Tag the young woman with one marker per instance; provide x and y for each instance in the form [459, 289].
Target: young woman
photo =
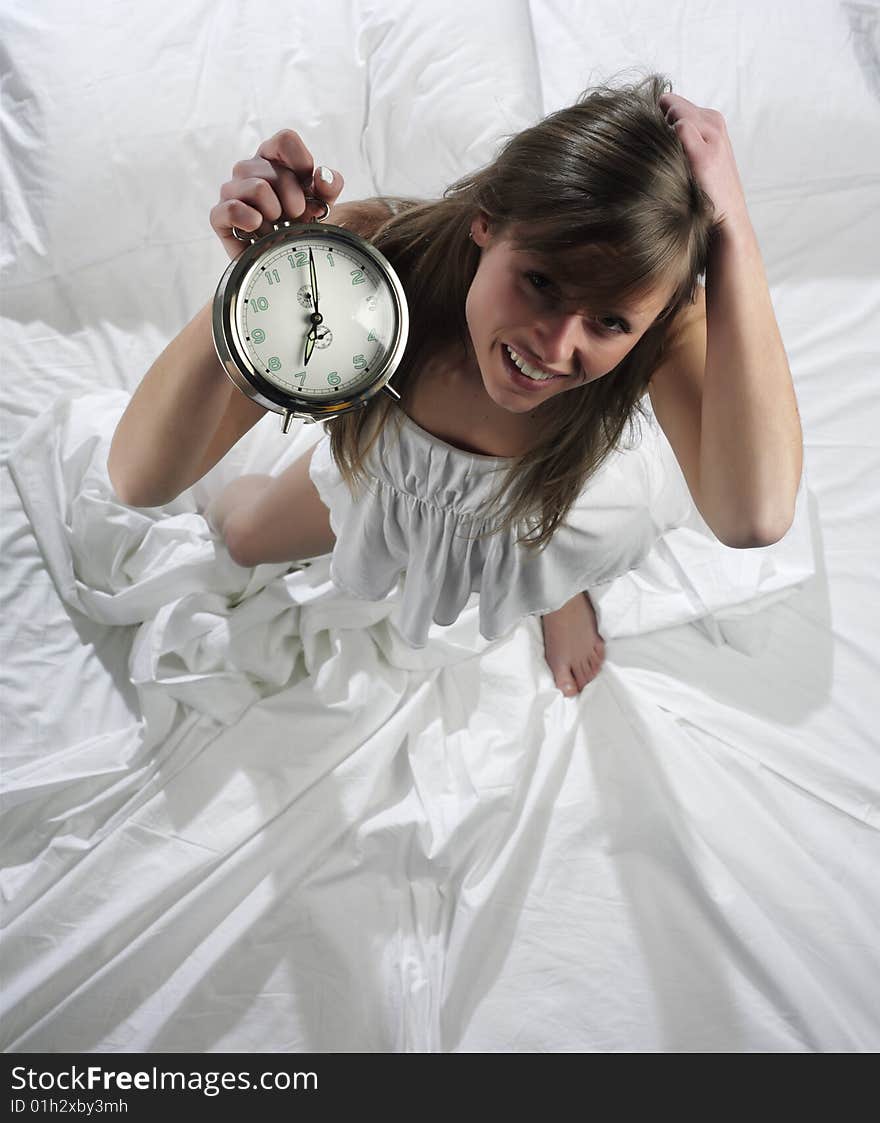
[545, 291]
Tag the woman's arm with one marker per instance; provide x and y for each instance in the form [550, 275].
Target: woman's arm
[751, 442]
[187, 414]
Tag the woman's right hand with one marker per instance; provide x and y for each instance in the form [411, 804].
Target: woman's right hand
[270, 187]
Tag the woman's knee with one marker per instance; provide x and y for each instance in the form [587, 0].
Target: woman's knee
[288, 521]
[238, 539]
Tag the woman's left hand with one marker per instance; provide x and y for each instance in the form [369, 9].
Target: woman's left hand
[703, 134]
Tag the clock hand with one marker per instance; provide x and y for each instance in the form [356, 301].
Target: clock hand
[313, 278]
[312, 337]
[316, 316]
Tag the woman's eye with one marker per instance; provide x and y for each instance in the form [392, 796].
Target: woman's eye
[541, 277]
[610, 323]
[618, 328]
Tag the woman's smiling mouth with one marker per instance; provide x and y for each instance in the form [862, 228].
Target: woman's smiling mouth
[521, 380]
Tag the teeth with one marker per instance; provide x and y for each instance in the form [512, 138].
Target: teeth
[529, 372]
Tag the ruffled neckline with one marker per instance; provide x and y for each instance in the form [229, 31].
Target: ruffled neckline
[453, 449]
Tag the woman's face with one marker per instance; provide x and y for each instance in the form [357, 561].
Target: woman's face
[512, 300]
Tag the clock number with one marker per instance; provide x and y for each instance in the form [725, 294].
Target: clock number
[330, 261]
[358, 362]
[358, 277]
[301, 375]
[333, 378]
[372, 338]
[258, 336]
[274, 363]
[269, 276]
[298, 260]
[259, 304]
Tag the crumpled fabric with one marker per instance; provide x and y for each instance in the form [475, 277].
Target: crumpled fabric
[122, 565]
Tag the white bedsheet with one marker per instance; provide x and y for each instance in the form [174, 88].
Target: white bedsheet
[240, 813]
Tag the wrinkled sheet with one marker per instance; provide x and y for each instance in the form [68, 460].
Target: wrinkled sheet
[239, 812]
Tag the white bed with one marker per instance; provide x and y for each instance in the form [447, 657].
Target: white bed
[240, 814]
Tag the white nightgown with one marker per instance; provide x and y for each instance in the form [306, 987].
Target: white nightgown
[419, 518]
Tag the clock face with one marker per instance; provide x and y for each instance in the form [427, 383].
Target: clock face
[359, 318]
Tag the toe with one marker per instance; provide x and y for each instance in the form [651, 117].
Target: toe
[566, 684]
[583, 675]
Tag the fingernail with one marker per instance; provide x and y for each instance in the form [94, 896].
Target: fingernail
[325, 174]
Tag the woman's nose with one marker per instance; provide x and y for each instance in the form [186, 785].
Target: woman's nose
[562, 341]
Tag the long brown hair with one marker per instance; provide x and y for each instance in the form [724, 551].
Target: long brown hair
[604, 191]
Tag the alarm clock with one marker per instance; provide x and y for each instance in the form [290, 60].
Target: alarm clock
[310, 320]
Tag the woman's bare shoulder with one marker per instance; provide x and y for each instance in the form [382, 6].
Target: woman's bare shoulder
[362, 216]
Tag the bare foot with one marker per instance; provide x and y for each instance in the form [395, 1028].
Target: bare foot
[572, 645]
